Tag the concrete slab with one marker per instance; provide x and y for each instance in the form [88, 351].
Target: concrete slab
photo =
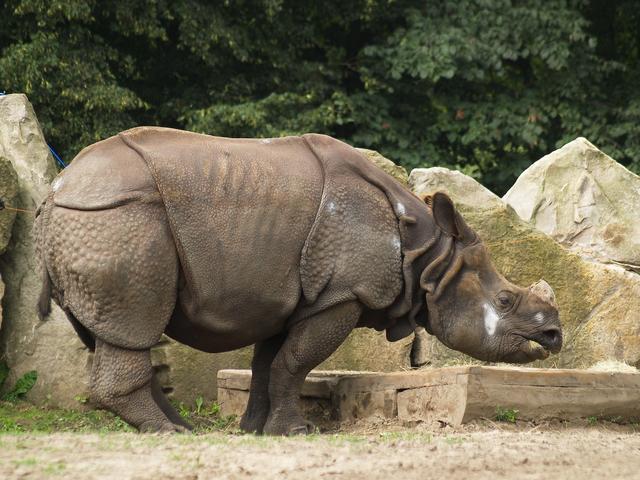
[453, 395]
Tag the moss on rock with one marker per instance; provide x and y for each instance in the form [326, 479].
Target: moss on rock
[396, 171]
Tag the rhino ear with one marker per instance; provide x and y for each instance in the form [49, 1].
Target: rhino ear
[444, 213]
[449, 220]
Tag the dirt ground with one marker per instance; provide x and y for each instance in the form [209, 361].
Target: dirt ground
[490, 450]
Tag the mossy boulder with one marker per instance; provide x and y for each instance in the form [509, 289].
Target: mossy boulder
[396, 171]
[51, 348]
[8, 196]
[368, 350]
[599, 304]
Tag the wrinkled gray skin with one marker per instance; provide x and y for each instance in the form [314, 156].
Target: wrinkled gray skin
[288, 244]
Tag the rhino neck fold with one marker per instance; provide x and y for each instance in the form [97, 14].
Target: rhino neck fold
[433, 270]
[429, 262]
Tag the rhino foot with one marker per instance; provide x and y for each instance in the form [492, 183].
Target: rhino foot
[253, 423]
[289, 429]
[154, 426]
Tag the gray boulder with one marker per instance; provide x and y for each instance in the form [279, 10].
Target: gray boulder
[51, 348]
[8, 194]
[585, 200]
[396, 171]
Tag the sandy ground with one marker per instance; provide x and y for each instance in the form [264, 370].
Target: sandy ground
[473, 452]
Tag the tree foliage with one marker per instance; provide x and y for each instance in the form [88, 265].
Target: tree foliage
[486, 86]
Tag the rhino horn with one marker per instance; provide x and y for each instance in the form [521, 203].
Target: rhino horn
[543, 290]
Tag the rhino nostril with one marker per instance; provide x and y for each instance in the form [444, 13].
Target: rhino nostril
[552, 337]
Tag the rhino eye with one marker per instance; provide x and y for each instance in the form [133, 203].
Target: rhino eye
[505, 300]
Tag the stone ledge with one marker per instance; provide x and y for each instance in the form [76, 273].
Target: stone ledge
[453, 395]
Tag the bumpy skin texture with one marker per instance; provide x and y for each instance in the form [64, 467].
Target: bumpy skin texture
[287, 244]
[116, 270]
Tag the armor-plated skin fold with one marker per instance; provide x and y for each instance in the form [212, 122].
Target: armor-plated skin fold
[285, 243]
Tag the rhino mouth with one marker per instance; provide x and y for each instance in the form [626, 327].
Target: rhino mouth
[527, 350]
[535, 349]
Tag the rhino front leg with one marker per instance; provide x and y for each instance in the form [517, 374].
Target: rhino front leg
[257, 410]
[307, 345]
[121, 381]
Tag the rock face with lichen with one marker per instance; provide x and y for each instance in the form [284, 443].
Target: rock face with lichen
[599, 304]
[396, 171]
[8, 194]
[51, 348]
[585, 200]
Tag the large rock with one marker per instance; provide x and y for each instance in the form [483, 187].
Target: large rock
[599, 304]
[396, 171]
[8, 194]
[51, 348]
[583, 199]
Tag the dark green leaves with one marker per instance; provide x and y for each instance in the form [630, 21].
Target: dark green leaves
[485, 86]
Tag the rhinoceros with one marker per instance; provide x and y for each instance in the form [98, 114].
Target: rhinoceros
[287, 244]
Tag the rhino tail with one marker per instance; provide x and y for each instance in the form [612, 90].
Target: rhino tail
[44, 302]
[44, 309]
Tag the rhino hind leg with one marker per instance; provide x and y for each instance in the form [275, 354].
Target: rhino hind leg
[122, 381]
[307, 344]
[255, 416]
[115, 273]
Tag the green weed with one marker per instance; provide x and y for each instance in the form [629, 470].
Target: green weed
[22, 386]
[204, 418]
[506, 414]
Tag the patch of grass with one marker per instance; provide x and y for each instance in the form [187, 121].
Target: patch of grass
[454, 440]
[591, 421]
[506, 414]
[406, 435]
[205, 419]
[23, 417]
[617, 419]
[19, 417]
[22, 386]
[55, 468]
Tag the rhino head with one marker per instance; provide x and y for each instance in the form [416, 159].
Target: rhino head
[472, 308]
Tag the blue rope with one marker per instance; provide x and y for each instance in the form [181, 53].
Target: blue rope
[53, 152]
[57, 157]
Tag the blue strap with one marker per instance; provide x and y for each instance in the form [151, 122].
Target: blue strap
[57, 157]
